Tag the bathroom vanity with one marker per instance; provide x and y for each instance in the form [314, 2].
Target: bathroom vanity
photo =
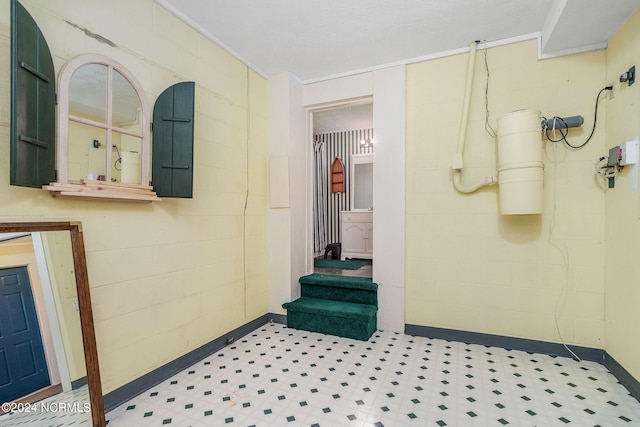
[357, 234]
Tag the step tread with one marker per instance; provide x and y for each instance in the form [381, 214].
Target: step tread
[352, 282]
[331, 307]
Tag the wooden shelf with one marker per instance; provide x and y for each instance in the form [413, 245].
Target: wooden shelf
[337, 176]
[101, 190]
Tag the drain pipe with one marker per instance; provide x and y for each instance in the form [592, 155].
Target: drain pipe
[457, 163]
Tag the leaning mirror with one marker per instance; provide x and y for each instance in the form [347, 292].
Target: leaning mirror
[48, 358]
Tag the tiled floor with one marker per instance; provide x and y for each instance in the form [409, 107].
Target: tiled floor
[283, 377]
[64, 409]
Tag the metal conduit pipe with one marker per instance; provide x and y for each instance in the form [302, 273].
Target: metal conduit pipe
[457, 163]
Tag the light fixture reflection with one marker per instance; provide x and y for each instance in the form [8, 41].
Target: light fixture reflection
[367, 142]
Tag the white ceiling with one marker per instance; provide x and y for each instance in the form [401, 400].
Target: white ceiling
[318, 39]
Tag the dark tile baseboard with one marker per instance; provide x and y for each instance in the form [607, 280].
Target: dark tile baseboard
[132, 389]
[623, 376]
[532, 346]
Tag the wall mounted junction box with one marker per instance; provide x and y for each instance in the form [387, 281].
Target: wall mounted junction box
[629, 153]
[625, 154]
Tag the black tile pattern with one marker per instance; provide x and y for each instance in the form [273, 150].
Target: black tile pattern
[279, 376]
[282, 377]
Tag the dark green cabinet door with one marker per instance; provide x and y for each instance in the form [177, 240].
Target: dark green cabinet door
[33, 131]
[172, 160]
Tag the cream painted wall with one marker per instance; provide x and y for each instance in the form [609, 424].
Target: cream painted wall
[470, 268]
[622, 227]
[286, 146]
[170, 276]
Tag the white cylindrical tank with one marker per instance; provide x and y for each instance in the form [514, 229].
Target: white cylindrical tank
[520, 167]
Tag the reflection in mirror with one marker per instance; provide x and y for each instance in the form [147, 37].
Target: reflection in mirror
[125, 160]
[46, 326]
[362, 182]
[126, 104]
[86, 158]
[88, 93]
[58, 268]
[105, 125]
[363, 186]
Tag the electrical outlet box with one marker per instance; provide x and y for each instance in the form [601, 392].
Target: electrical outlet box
[614, 156]
[629, 76]
[629, 153]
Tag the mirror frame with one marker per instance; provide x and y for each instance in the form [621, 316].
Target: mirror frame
[84, 301]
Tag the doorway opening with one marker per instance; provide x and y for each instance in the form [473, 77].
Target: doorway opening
[343, 141]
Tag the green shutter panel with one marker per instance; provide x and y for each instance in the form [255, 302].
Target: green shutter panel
[172, 160]
[33, 131]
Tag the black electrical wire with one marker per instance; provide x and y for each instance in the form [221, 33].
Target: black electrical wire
[119, 160]
[487, 126]
[595, 119]
[564, 132]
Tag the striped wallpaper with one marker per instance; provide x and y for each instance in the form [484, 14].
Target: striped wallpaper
[327, 205]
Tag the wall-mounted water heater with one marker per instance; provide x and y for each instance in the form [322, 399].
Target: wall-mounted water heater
[520, 167]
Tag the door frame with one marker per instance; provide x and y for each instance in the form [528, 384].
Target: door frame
[311, 110]
[388, 89]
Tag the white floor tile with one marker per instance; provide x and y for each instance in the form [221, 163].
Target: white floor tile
[277, 376]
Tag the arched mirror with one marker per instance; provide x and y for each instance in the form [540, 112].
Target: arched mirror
[99, 137]
[47, 339]
[104, 123]
[103, 132]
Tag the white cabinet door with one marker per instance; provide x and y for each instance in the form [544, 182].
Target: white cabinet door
[357, 234]
[353, 238]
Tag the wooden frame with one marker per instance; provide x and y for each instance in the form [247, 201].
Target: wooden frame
[84, 302]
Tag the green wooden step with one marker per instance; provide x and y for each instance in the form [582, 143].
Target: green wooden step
[340, 318]
[360, 290]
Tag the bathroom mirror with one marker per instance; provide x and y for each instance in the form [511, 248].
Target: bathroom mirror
[361, 182]
[60, 289]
